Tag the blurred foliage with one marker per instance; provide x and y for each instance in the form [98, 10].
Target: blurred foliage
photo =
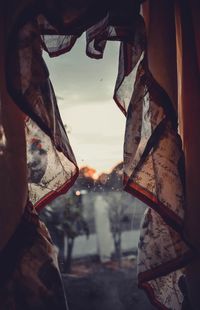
[65, 221]
[73, 222]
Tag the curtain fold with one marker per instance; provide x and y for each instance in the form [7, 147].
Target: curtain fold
[188, 38]
[12, 154]
[152, 90]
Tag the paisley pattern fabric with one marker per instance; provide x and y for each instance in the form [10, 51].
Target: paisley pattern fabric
[153, 156]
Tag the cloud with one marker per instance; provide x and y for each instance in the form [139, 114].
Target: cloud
[84, 89]
[79, 79]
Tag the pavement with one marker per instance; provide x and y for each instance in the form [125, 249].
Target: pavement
[105, 288]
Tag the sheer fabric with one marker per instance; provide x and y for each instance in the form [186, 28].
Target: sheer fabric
[153, 155]
[30, 277]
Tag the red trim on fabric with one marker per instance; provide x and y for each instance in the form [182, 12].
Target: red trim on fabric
[127, 59]
[94, 56]
[97, 41]
[166, 268]
[127, 70]
[150, 293]
[173, 221]
[171, 218]
[55, 193]
[61, 51]
[119, 104]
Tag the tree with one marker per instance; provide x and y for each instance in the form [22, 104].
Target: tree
[85, 179]
[118, 216]
[65, 221]
[73, 225]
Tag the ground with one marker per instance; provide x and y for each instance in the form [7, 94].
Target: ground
[93, 286]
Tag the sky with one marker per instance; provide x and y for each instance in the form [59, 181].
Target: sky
[84, 89]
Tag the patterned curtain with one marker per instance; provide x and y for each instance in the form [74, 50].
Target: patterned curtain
[153, 155]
